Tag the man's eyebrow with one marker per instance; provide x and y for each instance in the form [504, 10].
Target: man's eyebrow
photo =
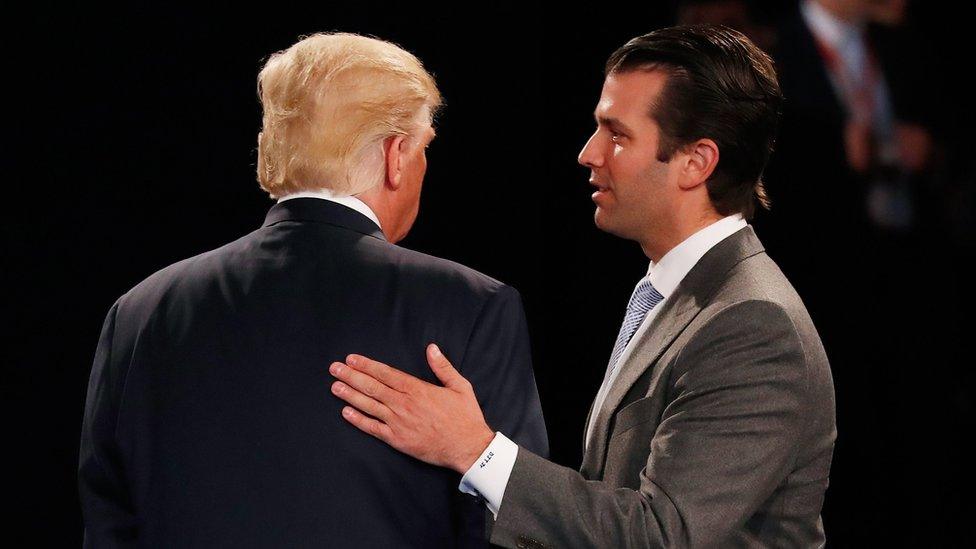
[613, 123]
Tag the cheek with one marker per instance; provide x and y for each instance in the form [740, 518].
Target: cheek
[419, 162]
[625, 165]
[420, 169]
[421, 172]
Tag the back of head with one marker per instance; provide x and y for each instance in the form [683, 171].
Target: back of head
[720, 86]
[329, 101]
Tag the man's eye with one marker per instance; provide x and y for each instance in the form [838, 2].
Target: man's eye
[615, 137]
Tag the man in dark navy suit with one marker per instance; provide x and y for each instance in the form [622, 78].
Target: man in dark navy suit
[205, 423]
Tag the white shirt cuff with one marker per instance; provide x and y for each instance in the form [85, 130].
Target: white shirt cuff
[488, 477]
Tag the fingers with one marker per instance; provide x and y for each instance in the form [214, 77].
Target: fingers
[368, 425]
[443, 368]
[364, 383]
[391, 377]
[366, 404]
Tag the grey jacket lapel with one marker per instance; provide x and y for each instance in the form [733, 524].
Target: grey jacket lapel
[652, 340]
[639, 338]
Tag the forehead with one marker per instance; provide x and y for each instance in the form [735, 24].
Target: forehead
[629, 95]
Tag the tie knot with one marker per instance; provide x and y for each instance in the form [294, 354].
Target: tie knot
[645, 297]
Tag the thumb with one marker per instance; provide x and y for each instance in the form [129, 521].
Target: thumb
[442, 367]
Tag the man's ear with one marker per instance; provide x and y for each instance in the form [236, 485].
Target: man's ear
[701, 157]
[393, 150]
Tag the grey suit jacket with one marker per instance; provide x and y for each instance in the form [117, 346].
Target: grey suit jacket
[718, 431]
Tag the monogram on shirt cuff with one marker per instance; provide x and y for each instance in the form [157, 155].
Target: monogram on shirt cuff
[488, 477]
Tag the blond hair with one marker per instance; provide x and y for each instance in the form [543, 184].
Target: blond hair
[329, 101]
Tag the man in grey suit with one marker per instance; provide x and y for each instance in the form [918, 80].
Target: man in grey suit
[715, 423]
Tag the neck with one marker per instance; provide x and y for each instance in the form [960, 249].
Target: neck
[658, 244]
[379, 202]
[382, 211]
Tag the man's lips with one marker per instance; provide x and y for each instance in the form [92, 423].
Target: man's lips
[601, 189]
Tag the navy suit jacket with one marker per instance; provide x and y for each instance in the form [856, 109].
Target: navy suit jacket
[209, 420]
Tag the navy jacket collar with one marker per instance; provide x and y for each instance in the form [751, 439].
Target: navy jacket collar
[317, 210]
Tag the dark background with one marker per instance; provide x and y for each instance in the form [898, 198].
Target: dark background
[131, 140]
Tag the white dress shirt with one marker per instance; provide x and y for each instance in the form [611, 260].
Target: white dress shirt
[348, 201]
[489, 475]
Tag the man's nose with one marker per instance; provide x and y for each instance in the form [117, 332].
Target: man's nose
[590, 156]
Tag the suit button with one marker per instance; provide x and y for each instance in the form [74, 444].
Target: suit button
[523, 542]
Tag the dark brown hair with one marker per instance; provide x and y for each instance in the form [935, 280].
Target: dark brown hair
[720, 86]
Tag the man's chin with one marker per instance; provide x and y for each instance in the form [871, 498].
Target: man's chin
[600, 218]
[604, 223]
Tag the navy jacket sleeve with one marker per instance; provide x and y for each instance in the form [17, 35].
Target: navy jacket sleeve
[107, 509]
[498, 363]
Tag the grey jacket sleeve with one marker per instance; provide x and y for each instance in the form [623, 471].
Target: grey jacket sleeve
[726, 439]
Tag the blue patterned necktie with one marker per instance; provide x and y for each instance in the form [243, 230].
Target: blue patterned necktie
[645, 298]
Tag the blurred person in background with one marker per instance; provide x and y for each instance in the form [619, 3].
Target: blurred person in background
[852, 171]
[857, 218]
[740, 15]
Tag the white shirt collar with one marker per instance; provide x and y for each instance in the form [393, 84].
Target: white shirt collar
[667, 273]
[348, 201]
[826, 26]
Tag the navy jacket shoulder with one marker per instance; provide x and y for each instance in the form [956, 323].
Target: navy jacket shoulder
[209, 417]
